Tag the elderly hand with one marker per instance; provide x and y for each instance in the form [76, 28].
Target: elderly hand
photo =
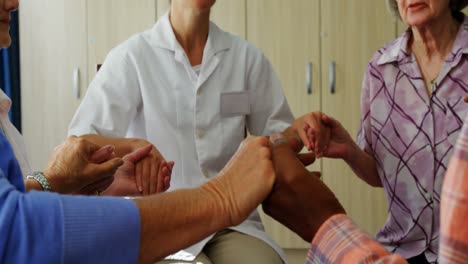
[334, 142]
[70, 167]
[245, 181]
[123, 183]
[318, 141]
[149, 176]
[299, 199]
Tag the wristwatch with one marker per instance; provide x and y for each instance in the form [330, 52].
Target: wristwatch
[41, 179]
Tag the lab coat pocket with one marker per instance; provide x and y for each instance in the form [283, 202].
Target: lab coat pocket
[234, 104]
[456, 112]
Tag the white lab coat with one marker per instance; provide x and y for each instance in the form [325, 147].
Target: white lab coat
[148, 89]
[14, 137]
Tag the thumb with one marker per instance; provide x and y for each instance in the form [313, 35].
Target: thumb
[307, 158]
[138, 154]
[108, 168]
[330, 121]
[103, 154]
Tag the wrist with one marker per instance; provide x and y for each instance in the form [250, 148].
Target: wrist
[214, 193]
[351, 153]
[38, 181]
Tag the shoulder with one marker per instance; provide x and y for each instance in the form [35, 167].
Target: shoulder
[133, 48]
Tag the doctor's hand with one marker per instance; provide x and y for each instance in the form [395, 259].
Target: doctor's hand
[244, 182]
[152, 171]
[71, 167]
[299, 199]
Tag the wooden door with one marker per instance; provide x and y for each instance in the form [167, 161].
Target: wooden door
[111, 22]
[53, 46]
[288, 33]
[352, 31]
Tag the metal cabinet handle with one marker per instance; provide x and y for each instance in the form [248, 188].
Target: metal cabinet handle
[332, 77]
[76, 83]
[309, 77]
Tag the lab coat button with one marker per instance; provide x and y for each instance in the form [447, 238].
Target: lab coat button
[200, 133]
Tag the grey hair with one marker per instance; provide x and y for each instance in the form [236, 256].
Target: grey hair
[455, 6]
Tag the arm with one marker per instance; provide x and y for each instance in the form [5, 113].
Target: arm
[48, 228]
[303, 203]
[270, 112]
[355, 246]
[224, 201]
[112, 101]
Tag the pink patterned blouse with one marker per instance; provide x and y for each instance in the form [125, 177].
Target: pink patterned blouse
[411, 135]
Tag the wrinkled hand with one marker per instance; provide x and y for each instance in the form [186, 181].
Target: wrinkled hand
[245, 181]
[149, 176]
[70, 167]
[326, 136]
[123, 183]
[299, 199]
[319, 137]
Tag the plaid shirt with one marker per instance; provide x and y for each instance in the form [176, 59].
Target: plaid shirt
[339, 240]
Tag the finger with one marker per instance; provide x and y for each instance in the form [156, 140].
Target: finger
[138, 154]
[165, 172]
[171, 166]
[138, 176]
[160, 177]
[466, 98]
[307, 158]
[103, 154]
[147, 181]
[303, 136]
[167, 183]
[107, 168]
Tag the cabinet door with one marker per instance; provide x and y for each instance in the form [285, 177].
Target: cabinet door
[288, 33]
[111, 22]
[53, 45]
[353, 30]
[229, 15]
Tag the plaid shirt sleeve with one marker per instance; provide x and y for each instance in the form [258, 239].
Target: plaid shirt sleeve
[339, 240]
[454, 205]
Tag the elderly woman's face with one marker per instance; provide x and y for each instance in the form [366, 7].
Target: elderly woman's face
[6, 7]
[420, 12]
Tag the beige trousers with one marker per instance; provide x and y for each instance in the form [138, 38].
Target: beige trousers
[232, 247]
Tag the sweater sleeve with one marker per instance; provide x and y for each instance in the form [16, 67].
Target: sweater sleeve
[40, 227]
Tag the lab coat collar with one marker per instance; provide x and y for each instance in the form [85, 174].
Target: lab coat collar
[164, 37]
[5, 103]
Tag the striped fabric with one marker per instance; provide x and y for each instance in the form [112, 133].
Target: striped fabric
[454, 205]
[340, 241]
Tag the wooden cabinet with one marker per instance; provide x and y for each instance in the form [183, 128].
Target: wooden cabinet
[352, 31]
[321, 33]
[287, 32]
[64, 38]
[53, 45]
[111, 22]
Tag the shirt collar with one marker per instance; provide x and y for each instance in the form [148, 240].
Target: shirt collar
[163, 37]
[398, 50]
[5, 103]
